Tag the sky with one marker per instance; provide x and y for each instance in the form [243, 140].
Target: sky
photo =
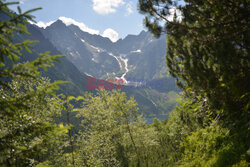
[110, 18]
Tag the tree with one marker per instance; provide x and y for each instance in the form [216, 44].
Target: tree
[208, 49]
[28, 102]
[113, 133]
[208, 54]
[28, 130]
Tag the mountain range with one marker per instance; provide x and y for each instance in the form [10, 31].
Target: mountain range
[138, 59]
[134, 58]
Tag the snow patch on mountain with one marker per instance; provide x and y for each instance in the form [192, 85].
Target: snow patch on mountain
[126, 69]
[92, 47]
[136, 51]
[88, 74]
[41, 24]
[123, 63]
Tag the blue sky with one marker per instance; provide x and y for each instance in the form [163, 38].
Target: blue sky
[119, 16]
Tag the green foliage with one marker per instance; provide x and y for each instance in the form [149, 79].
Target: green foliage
[27, 128]
[209, 127]
[28, 103]
[208, 54]
[188, 117]
[11, 52]
[206, 148]
[201, 55]
[106, 118]
[214, 146]
[113, 133]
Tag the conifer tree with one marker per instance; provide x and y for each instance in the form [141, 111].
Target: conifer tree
[208, 54]
[28, 102]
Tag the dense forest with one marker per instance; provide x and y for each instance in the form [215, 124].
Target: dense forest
[207, 53]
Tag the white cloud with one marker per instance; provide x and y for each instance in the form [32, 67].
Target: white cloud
[82, 26]
[106, 6]
[67, 22]
[129, 8]
[42, 24]
[174, 11]
[111, 34]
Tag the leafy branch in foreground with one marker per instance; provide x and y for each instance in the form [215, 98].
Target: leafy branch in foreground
[28, 101]
[27, 128]
[208, 54]
[11, 52]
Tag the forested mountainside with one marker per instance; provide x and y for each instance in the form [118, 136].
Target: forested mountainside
[63, 70]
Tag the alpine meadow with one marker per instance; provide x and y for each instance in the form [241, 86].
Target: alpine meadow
[183, 97]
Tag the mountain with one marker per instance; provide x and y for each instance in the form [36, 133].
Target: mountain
[96, 55]
[83, 55]
[138, 59]
[134, 58]
[64, 70]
